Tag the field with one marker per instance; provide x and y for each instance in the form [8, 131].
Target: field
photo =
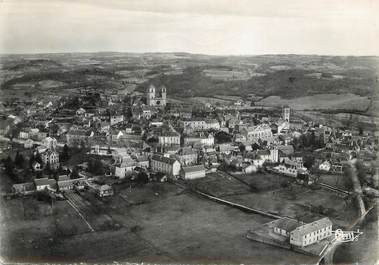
[279, 195]
[288, 76]
[161, 222]
[173, 226]
[210, 100]
[226, 75]
[320, 101]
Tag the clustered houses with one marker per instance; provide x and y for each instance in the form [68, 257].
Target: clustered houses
[169, 138]
[258, 133]
[200, 125]
[136, 133]
[200, 138]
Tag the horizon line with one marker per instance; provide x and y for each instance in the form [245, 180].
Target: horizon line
[191, 53]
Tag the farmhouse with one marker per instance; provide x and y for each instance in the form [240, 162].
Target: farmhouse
[311, 233]
[104, 191]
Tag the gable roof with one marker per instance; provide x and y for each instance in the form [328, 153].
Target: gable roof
[163, 159]
[191, 169]
[314, 226]
[287, 224]
[44, 181]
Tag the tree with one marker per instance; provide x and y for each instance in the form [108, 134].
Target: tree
[38, 158]
[47, 169]
[9, 167]
[255, 146]
[309, 161]
[95, 166]
[223, 137]
[19, 160]
[64, 156]
[142, 178]
[74, 173]
[361, 171]
[242, 148]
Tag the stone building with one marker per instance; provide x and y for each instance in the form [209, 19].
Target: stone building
[156, 98]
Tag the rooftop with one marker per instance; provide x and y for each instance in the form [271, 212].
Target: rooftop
[314, 226]
[163, 159]
[193, 168]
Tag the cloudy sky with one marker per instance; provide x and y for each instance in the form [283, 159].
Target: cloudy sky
[338, 27]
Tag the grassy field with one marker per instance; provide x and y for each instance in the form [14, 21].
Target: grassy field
[321, 101]
[279, 194]
[161, 222]
[173, 226]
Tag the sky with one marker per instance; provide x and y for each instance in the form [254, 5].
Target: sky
[220, 27]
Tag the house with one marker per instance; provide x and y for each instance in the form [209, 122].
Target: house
[264, 154]
[237, 162]
[80, 112]
[194, 125]
[23, 135]
[78, 137]
[226, 148]
[105, 126]
[143, 162]
[249, 168]
[23, 188]
[44, 183]
[286, 149]
[282, 126]
[51, 158]
[325, 166]
[187, 156]
[65, 183]
[28, 143]
[274, 155]
[104, 191]
[116, 119]
[125, 168]
[33, 133]
[165, 165]
[169, 138]
[336, 168]
[203, 139]
[50, 143]
[192, 172]
[260, 132]
[311, 233]
[212, 124]
[288, 170]
[239, 138]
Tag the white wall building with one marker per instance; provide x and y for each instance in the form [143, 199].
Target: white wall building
[165, 165]
[311, 233]
[193, 172]
[262, 132]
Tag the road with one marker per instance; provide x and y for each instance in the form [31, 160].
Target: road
[329, 253]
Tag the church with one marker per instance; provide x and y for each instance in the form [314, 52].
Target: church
[156, 97]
